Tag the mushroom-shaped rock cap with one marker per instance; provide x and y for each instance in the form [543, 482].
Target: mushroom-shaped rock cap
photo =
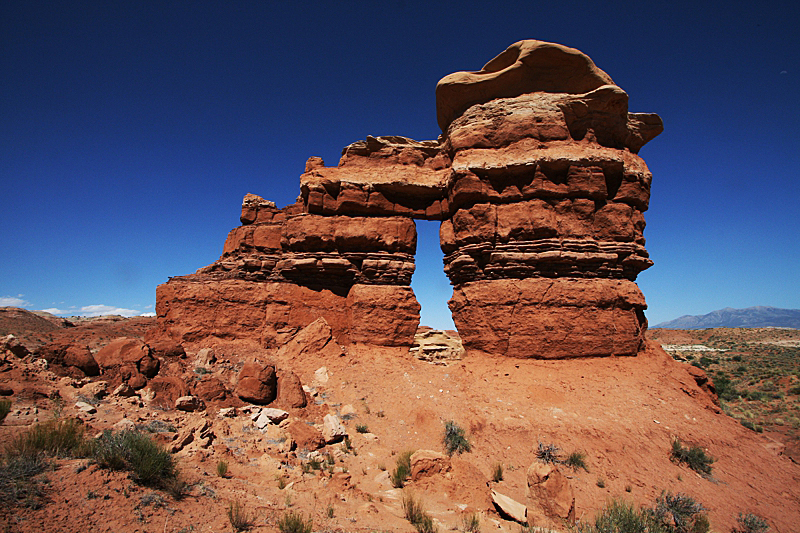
[525, 67]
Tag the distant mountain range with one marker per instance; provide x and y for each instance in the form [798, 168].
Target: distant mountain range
[752, 317]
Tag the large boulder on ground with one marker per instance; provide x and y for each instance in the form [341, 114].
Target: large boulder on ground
[210, 389]
[71, 359]
[332, 429]
[128, 352]
[549, 493]
[167, 390]
[426, 463]
[290, 391]
[257, 383]
[305, 436]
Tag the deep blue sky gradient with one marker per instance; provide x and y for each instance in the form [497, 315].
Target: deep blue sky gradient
[131, 131]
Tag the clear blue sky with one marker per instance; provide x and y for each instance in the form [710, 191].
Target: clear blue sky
[132, 130]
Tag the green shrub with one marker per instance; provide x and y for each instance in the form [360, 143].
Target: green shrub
[238, 516]
[5, 408]
[680, 513]
[415, 513]
[292, 522]
[694, 457]
[401, 470]
[724, 387]
[455, 439]
[362, 428]
[750, 523]
[576, 460]
[622, 517]
[57, 437]
[222, 468]
[497, 473]
[149, 463]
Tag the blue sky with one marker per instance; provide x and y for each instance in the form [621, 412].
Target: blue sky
[131, 131]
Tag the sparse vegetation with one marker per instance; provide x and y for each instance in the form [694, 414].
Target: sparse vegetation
[238, 516]
[497, 473]
[470, 523]
[694, 457]
[671, 514]
[294, 522]
[576, 460]
[750, 523]
[455, 439]
[5, 408]
[222, 468]
[56, 438]
[680, 513]
[416, 514]
[362, 428]
[18, 479]
[149, 463]
[402, 469]
[600, 483]
[548, 453]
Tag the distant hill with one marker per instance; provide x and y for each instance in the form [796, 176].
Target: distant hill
[752, 317]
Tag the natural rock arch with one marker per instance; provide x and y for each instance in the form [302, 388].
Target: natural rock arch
[540, 193]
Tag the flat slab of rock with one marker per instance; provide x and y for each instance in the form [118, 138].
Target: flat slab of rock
[269, 416]
[85, 407]
[189, 404]
[332, 429]
[510, 508]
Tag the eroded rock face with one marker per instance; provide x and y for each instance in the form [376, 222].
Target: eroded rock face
[540, 193]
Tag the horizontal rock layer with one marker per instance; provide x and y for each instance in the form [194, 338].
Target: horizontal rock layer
[550, 318]
[270, 313]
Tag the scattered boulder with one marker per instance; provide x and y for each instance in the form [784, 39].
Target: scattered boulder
[128, 357]
[124, 390]
[257, 383]
[97, 389]
[290, 391]
[269, 415]
[200, 430]
[210, 389]
[189, 404]
[426, 463]
[165, 348]
[549, 492]
[510, 508]
[13, 345]
[75, 360]
[305, 436]
[167, 390]
[124, 425]
[86, 407]
[204, 358]
[332, 429]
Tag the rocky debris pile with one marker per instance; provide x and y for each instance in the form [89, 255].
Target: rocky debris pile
[540, 193]
[435, 345]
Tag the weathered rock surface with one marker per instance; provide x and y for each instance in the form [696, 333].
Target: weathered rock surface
[257, 383]
[69, 359]
[537, 184]
[549, 493]
[436, 345]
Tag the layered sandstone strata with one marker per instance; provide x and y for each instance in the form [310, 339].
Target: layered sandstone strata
[546, 196]
[541, 194]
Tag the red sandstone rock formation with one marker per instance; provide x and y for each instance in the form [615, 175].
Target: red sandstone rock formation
[540, 193]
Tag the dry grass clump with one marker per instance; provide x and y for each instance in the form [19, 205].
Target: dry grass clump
[238, 516]
[55, 438]
[416, 514]
[222, 468]
[402, 469]
[294, 522]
